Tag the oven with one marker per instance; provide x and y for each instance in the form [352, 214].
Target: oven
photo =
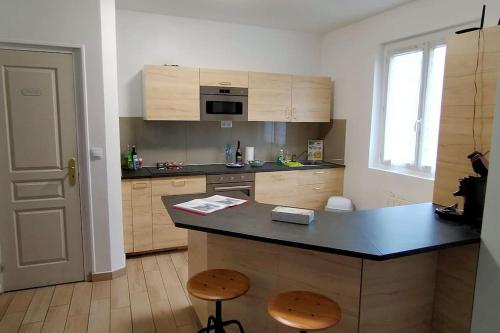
[242, 182]
[223, 103]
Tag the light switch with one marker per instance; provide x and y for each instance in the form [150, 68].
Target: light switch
[96, 153]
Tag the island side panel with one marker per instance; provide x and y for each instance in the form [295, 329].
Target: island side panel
[398, 295]
[197, 262]
[273, 268]
[456, 280]
[337, 277]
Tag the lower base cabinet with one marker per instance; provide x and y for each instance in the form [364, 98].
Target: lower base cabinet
[146, 223]
[299, 188]
[148, 227]
[165, 234]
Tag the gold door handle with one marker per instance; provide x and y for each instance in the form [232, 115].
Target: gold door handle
[72, 171]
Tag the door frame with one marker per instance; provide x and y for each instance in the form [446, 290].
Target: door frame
[82, 137]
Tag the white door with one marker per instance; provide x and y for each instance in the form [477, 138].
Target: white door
[40, 226]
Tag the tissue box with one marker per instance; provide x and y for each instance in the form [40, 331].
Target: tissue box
[292, 215]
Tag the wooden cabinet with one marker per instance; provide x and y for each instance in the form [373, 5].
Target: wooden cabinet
[311, 98]
[128, 231]
[269, 97]
[171, 93]
[141, 215]
[457, 113]
[165, 233]
[281, 97]
[223, 78]
[299, 188]
[146, 223]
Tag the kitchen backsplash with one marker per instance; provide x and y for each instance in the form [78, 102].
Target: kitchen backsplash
[204, 142]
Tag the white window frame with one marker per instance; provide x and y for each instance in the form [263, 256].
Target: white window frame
[426, 43]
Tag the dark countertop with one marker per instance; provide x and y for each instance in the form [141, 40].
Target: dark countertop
[217, 169]
[377, 234]
[131, 174]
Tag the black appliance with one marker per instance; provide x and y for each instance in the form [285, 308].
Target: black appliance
[473, 190]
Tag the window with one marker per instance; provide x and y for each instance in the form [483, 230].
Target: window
[410, 107]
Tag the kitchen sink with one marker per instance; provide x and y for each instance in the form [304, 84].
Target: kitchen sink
[312, 163]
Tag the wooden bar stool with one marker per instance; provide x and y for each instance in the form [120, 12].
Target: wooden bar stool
[218, 285]
[304, 310]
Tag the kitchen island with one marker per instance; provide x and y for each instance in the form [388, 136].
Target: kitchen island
[398, 269]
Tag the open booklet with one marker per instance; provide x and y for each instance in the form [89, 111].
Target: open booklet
[209, 205]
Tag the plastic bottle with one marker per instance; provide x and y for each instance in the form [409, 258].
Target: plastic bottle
[281, 157]
[130, 161]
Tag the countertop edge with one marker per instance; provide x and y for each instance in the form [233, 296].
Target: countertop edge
[145, 173]
[381, 257]
[352, 254]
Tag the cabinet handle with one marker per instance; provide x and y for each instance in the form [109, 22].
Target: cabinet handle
[317, 188]
[294, 116]
[231, 188]
[179, 183]
[140, 185]
[225, 83]
[319, 172]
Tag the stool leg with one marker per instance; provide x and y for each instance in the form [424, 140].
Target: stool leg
[218, 317]
[209, 325]
[231, 322]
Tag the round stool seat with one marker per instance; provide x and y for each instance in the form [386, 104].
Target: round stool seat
[218, 285]
[304, 310]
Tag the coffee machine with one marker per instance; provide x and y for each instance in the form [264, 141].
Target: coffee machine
[473, 190]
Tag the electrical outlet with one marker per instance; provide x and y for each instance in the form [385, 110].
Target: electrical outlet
[226, 124]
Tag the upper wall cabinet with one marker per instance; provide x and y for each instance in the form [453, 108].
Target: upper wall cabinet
[269, 97]
[171, 93]
[223, 78]
[311, 98]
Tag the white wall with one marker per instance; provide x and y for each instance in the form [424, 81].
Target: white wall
[145, 38]
[78, 23]
[487, 301]
[349, 55]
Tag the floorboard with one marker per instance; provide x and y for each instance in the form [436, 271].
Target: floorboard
[150, 298]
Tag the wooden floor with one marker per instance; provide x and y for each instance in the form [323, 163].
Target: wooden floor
[150, 298]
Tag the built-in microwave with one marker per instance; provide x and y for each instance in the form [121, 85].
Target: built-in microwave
[224, 103]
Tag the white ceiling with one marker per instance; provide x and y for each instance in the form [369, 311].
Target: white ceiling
[315, 16]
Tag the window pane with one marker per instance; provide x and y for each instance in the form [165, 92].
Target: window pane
[403, 96]
[432, 111]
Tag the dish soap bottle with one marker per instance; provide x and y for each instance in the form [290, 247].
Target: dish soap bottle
[281, 157]
[239, 156]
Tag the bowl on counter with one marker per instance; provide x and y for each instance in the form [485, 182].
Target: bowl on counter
[256, 163]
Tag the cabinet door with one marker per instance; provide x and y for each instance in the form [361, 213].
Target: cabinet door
[171, 93]
[311, 98]
[301, 188]
[128, 233]
[165, 233]
[223, 78]
[269, 97]
[141, 215]
[277, 188]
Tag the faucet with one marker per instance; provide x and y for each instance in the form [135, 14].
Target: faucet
[296, 158]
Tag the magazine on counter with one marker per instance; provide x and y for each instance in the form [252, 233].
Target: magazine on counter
[209, 205]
